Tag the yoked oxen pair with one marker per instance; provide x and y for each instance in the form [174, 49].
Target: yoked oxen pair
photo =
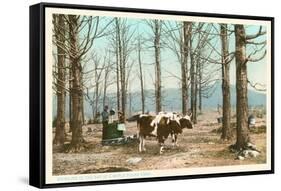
[161, 126]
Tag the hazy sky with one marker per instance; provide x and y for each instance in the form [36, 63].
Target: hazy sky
[169, 62]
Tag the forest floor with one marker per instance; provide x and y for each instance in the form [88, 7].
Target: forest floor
[198, 147]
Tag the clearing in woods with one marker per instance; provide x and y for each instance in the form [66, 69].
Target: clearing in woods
[198, 147]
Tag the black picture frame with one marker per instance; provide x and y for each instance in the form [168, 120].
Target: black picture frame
[37, 94]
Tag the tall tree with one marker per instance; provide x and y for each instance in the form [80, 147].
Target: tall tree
[241, 88]
[178, 35]
[82, 100]
[205, 53]
[59, 32]
[196, 87]
[77, 89]
[70, 116]
[241, 40]
[121, 42]
[187, 29]
[195, 53]
[82, 30]
[192, 87]
[97, 88]
[156, 27]
[117, 83]
[198, 82]
[122, 45]
[117, 53]
[141, 77]
[226, 133]
[106, 82]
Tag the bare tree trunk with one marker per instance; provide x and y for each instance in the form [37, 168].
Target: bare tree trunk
[194, 115]
[96, 98]
[60, 131]
[191, 81]
[82, 101]
[122, 68]
[200, 87]
[123, 77]
[70, 101]
[184, 87]
[123, 39]
[141, 78]
[157, 66]
[193, 88]
[117, 83]
[241, 88]
[105, 85]
[93, 111]
[117, 63]
[104, 95]
[123, 91]
[226, 133]
[187, 27]
[130, 104]
[76, 90]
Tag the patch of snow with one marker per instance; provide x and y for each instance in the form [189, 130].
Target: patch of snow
[134, 160]
[250, 153]
[143, 115]
[240, 158]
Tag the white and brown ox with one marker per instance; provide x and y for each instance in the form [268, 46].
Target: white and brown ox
[164, 125]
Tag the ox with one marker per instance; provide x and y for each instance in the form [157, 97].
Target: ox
[177, 125]
[164, 125]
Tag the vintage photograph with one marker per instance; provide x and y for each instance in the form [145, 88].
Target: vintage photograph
[135, 92]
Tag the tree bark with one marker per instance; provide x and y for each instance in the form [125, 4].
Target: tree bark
[130, 104]
[60, 131]
[195, 100]
[193, 88]
[157, 66]
[70, 100]
[187, 27]
[123, 86]
[141, 78]
[192, 82]
[82, 101]
[76, 90]
[117, 63]
[122, 65]
[200, 86]
[93, 111]
[97, 83]
[241, 89]
[117, 82]
[226, 106]
[105, 85]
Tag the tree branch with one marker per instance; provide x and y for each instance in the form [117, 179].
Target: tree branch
[259, 33]
[255, 86]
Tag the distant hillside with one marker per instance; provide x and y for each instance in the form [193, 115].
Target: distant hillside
[172, 100]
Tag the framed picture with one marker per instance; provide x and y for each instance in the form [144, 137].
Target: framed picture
[123, 95]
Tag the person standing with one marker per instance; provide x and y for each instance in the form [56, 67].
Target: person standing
[121, 117]
[105, 118]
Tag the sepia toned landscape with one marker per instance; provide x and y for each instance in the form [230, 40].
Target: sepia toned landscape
[134, 94]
